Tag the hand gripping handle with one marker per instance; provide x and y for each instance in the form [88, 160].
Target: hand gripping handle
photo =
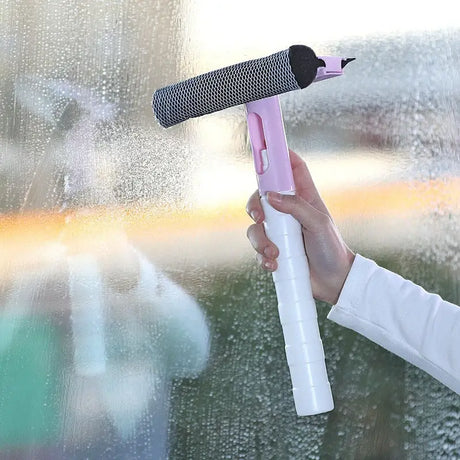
[297, 310]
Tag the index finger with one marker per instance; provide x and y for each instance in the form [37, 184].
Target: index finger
[254, 208]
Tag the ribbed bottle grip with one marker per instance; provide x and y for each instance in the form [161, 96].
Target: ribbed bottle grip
[297, 310]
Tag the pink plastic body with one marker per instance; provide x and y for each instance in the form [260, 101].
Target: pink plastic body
[268, 139]
[269, 147]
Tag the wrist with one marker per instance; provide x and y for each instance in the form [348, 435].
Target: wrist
[344, 270]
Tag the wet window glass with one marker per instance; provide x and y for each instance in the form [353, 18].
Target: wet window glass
[135, 322]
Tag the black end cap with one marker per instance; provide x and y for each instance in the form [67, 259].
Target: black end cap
[304, 64]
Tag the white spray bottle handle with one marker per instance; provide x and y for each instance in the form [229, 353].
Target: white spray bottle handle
[296, 306]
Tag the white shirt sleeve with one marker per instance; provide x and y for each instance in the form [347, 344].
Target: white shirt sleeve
[402, 317]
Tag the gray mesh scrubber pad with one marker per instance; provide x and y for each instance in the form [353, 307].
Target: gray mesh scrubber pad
[248, 81]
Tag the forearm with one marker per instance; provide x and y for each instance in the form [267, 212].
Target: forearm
[403, 318]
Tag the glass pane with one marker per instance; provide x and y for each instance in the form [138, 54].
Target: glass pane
[134, 322]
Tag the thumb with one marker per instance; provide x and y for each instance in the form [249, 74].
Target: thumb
[308, 216]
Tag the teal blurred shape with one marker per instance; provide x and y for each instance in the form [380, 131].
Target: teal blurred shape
[29, 384]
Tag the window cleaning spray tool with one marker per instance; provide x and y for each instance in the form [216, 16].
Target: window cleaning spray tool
[257, 84]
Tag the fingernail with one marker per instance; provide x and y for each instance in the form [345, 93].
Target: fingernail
[255, 216]
[269, 265]
[274, 197]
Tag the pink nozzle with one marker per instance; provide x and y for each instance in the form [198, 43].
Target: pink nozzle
[333, 67]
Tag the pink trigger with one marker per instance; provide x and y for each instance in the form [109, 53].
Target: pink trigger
[256, 133]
